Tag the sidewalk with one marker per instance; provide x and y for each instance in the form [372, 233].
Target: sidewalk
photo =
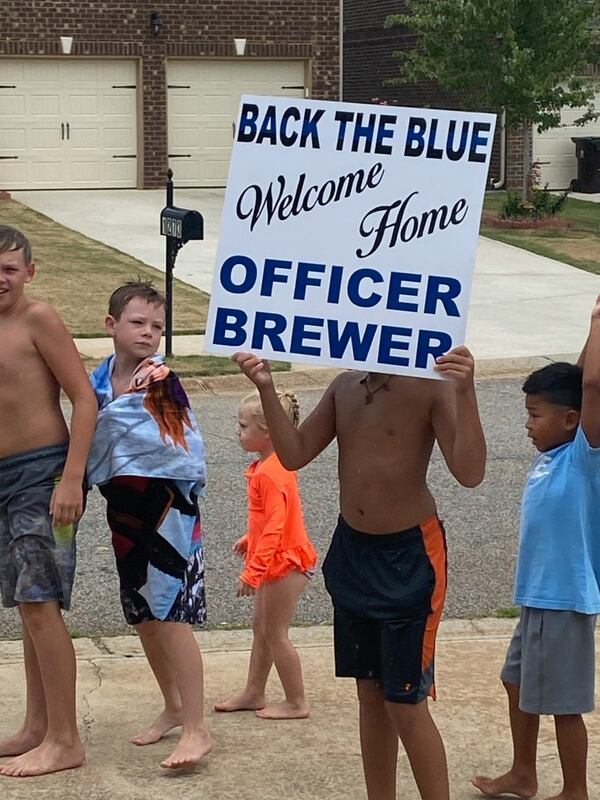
[310, 759]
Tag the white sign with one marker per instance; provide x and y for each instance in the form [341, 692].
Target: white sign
[348, 234]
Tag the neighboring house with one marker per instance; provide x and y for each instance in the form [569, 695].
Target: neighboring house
[369, 62]
[148, 85]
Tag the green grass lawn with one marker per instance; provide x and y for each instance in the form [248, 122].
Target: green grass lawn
[578, 245]
[200, 366]
[77, 275]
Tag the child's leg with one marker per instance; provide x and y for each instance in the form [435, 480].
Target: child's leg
[378, 742]
[521, 779]
[186, 661]
[280, 598]
[424, 748]
[61, 747]
[33, 729]
[252, 697]
[571, 736]
[172, 714]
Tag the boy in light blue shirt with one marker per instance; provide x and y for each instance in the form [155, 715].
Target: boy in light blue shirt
[550, 664]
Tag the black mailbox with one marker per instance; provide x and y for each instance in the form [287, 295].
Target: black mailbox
[181, 223]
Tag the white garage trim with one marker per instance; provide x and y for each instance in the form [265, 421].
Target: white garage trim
[554, 151]
[203, 101]
[68, 123]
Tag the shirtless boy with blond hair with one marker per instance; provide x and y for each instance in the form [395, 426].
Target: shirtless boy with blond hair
[41, 498]
[386, 566]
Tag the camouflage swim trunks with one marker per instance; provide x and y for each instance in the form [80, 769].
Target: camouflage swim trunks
[37, 560]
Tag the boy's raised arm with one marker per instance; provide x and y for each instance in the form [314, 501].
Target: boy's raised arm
[590, 405]
[295, 447]
[55, 345]
[455, 419]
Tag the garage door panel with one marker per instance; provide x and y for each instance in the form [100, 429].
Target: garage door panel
[71, 121]
[41, 105]
[44, 139]
[13, 172]
[41, 71]
[12, 139]
[184, 104]
[116, 105]
[46, 172]
[83, 105]
[204, 129]
[118, 139]
[12, 105]
[186, 138]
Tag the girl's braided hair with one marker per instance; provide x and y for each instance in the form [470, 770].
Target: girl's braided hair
[288, 401]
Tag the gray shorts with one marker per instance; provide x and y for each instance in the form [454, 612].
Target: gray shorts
[37, 561]
[551, 658]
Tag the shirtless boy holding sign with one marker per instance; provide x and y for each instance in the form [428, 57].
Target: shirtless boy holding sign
[386, 566]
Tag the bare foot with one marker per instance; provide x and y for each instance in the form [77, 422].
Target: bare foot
[164, 723]
[505, 784]
[284, 710]
[47, 757]
[191, 749]
[20, 743]
[241, 702]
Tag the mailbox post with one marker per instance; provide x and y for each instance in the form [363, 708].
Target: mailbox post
[178, 225]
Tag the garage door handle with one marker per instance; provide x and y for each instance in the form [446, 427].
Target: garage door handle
[68, 131]
[6, 158]
[62, 131]
[177, 155]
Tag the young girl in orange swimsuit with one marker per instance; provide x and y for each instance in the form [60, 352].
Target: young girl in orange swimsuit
[279, 561]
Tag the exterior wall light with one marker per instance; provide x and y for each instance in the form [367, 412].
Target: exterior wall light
[66, 43]
[155, 22]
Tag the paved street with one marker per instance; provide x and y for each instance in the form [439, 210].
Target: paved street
[481, 523]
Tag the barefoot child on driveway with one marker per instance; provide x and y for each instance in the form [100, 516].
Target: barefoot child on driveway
[386, 567]
[279, 560]
[148, 460]
[550, 663]
[41, 500]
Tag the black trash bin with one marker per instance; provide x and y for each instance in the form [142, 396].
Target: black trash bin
[587, 149]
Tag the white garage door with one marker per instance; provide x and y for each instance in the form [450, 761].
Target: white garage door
[203, 102]
[555, 152]
[67, 123]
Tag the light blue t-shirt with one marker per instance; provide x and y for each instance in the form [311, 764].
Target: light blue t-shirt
[558, 565]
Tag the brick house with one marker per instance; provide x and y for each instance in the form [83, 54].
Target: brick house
[144, 85]
[369, 62]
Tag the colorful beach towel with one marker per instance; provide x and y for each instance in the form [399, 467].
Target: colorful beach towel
[150, 431]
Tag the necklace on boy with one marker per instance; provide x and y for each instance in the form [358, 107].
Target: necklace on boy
[371, 394]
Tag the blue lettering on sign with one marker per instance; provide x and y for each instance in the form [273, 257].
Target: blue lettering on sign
[444, 290]
[228, 268]
[360, 343]
[268, 327]
[300, 333]
[388, 341]
[354, 286]
[229, 327]
[431, 343]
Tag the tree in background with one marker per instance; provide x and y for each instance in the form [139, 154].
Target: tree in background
[527, 57]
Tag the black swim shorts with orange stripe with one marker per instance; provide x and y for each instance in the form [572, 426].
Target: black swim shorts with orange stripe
[388, 594]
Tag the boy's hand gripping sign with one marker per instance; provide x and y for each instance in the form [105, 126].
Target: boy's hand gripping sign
[349, 232]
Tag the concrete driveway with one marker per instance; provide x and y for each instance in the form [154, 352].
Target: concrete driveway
[522, 304]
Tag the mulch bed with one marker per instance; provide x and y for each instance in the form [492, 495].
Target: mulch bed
[527, 223]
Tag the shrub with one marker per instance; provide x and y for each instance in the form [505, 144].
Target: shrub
[540, 203]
